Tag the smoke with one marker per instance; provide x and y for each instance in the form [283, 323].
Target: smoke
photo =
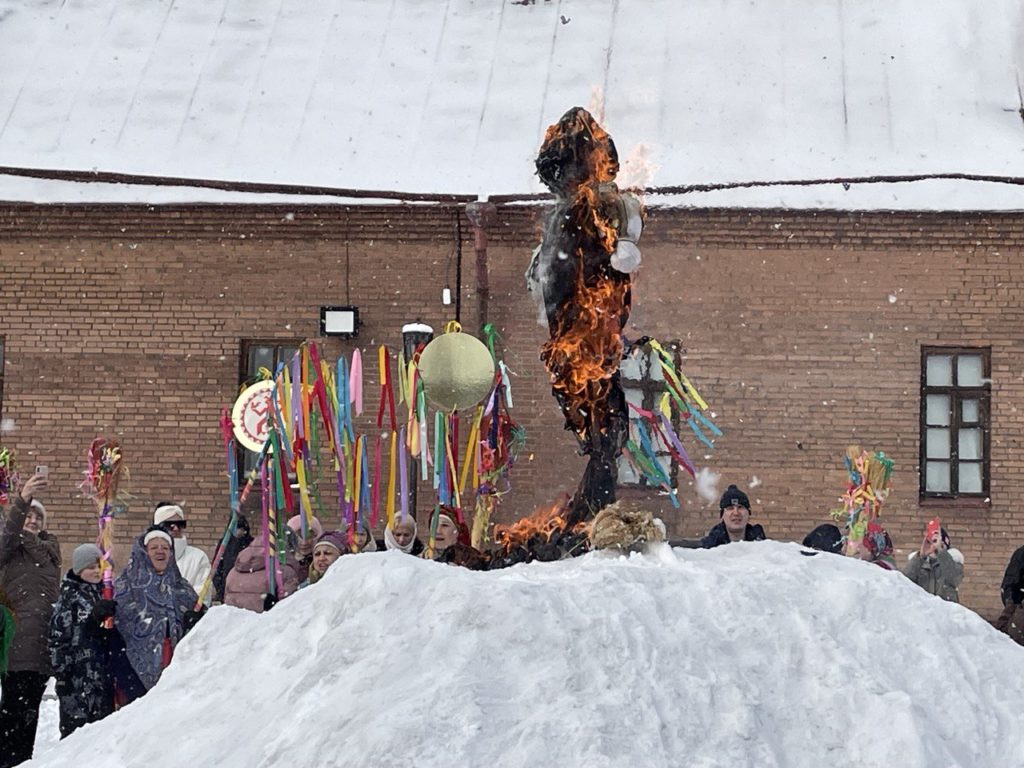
[639, 169]
[706, 483]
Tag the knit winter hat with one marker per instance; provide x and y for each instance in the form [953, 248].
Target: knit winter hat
[167, 512]
[154, 533]
[37, 505]
[733, 495]
[334, 539]
[85, 556]
[825, 538]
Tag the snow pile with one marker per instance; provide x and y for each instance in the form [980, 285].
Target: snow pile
[750, 654]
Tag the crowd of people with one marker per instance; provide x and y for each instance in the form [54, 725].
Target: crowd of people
[107, 644]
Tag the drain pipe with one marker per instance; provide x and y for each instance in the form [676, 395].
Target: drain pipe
[481, 215]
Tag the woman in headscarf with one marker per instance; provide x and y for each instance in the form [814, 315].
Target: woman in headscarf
[451, 542]
[328, 548]
[302, 546]
[153, 610]
[402, 537]
[364, 539]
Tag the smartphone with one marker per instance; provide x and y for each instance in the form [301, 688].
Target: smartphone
[934, 526]
[42, 470]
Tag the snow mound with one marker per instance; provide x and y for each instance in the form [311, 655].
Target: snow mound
[749, 654]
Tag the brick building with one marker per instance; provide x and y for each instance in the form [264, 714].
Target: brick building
[805, 331]
[237, 152]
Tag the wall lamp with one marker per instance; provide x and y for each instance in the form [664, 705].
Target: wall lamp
[339, 321]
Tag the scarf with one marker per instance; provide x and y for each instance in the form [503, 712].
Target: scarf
[150, 606]
[391, 543]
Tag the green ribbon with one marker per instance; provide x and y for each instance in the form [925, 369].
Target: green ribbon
[491, 335]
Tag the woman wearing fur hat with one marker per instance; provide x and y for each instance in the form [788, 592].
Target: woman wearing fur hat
[153, 611]
[30, 577]
[247, 584]
[80, 645]
[936, 567]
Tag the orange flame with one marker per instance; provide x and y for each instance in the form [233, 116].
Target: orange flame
[545, 522]
[585, 351]
[586, 344]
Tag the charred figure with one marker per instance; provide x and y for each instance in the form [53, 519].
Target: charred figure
[580, 277]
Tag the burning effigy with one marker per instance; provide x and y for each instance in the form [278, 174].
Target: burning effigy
[580, 275]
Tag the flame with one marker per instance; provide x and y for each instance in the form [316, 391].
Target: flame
[545, 522]
[584, 353]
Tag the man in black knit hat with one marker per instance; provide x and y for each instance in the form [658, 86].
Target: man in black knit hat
[734, 509]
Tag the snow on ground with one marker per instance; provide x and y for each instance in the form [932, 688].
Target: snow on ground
[749, 654]
[454, 97]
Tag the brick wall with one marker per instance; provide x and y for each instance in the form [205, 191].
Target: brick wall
[803, 330]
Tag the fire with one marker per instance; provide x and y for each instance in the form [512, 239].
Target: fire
[584, 352]
[585, 346]
[545, 522]
[582, 272]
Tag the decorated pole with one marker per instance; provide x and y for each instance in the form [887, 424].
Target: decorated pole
[102, 484]
[227, 430]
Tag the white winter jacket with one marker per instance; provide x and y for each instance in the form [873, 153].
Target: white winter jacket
[194, 566]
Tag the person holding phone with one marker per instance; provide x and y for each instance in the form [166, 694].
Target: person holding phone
[936, 567]
[30, 570]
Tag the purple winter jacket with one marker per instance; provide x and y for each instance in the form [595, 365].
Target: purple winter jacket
[246, 584]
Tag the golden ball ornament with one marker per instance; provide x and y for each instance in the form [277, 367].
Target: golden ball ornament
[457, 371]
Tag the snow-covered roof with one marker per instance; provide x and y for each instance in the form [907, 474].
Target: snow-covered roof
[454, 97]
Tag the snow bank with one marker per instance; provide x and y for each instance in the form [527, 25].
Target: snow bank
[750, 654]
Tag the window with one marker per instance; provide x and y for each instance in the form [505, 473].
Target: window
[955, 427]
[644, 383]
[258, 355]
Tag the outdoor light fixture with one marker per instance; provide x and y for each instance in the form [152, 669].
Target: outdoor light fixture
[446, 295]
[415, 335]
[339, 321]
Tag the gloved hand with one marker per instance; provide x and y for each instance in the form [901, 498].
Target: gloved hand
[103, 610]
[192, 618]
[269, 601]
